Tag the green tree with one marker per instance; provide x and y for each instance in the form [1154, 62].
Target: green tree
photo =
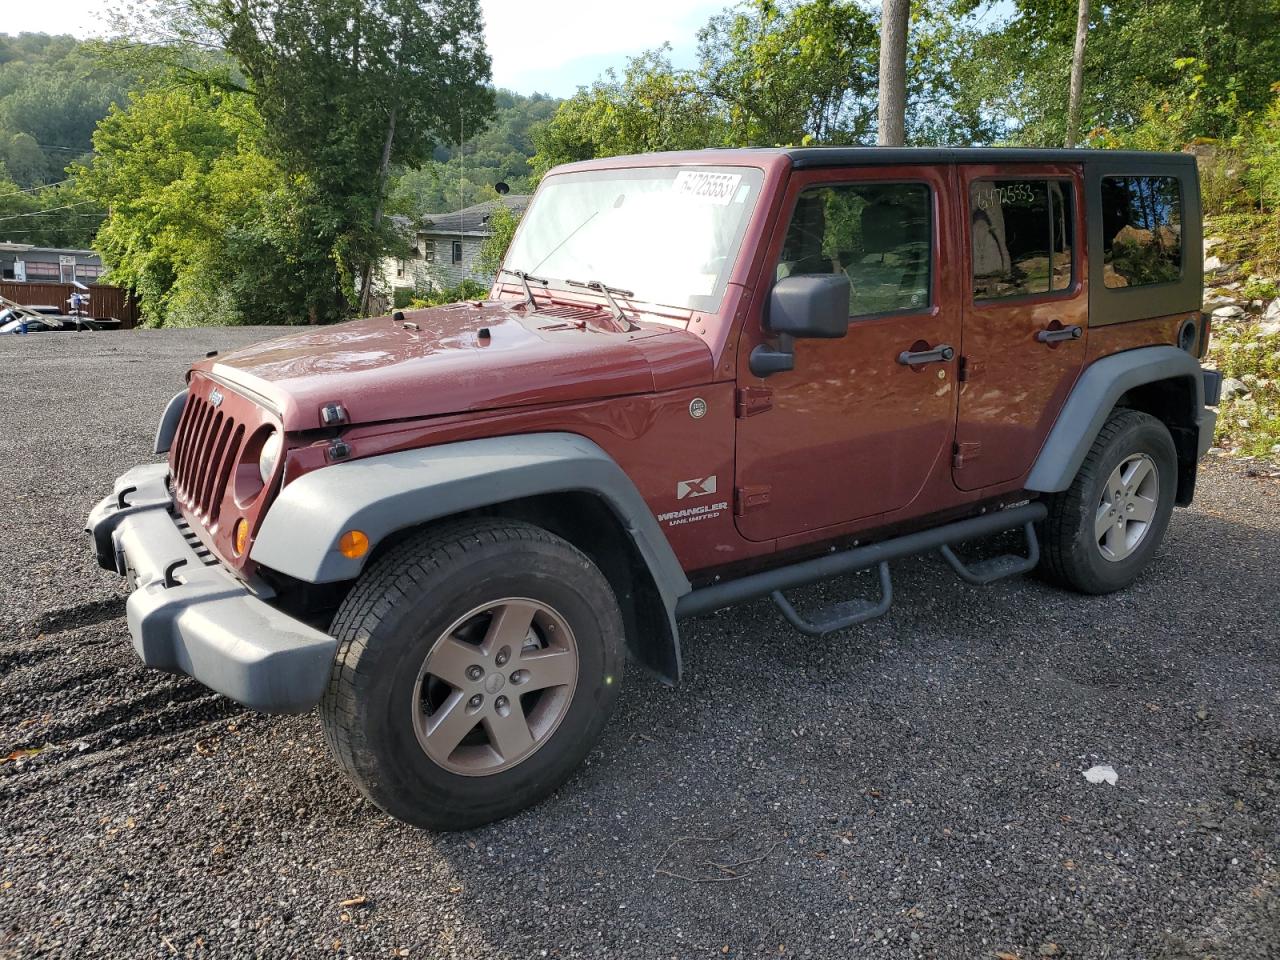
[1138, 55]
[502, 224]
[792, 72]
[346, 89]
[194, 204]
[652, 106]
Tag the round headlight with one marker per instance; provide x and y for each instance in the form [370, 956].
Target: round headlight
[270, 456]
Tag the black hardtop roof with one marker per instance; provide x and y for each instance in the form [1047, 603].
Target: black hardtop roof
[808, 157]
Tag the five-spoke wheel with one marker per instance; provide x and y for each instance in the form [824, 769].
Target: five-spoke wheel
[1106, 526]
[495, 686]
[478, 662]
[1127, 506]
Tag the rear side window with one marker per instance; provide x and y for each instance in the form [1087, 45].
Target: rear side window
[1022, 237]
[877, 234]
[1141, 231]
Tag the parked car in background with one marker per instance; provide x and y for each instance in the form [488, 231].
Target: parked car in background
[43, 320]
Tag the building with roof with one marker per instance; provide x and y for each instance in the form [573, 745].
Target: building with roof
[444, 248]
[23, 262]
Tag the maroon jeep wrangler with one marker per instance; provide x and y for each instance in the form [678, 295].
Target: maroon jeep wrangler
[701, 379]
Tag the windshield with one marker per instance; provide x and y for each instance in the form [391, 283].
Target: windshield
[666, 235]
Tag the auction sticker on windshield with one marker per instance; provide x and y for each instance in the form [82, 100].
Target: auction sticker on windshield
[709, 187]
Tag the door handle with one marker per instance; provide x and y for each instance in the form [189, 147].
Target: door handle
[942, 353]
[1063, 333]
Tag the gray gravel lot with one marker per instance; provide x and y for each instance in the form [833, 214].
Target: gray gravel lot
[912, 788]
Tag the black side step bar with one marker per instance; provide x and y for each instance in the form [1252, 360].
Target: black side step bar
[772, 583]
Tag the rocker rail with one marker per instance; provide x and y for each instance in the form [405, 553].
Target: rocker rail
[773, 582]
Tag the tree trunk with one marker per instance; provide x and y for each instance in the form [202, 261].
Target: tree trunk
[894, 17]
[1077, 74]
[366, 284]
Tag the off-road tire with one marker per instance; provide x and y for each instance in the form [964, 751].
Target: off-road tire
[402, 605]
[1070, 553]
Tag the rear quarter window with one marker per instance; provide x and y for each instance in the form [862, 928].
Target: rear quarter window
[1141, 231]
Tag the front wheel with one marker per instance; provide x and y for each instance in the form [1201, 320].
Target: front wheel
[1104, 529]
[477, 664]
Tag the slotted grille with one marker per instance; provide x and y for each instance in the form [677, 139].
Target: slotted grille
[569, 313]
[204, 455]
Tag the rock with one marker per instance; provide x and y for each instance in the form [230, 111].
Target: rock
[1269, 328]
[1232, 388]
[1273, 311]
[1050, 950]
[1255, 306]
[1211, 263]
[1232, 311]
[1211, 242]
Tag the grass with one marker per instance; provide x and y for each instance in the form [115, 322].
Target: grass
[1249, 425]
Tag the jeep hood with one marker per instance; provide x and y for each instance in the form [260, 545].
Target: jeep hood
[439, 361]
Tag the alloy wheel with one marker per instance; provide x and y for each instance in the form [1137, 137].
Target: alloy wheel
[1127, 508]
[495, 686]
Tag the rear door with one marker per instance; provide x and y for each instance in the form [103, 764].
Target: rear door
[1025, 304]
[852, 432]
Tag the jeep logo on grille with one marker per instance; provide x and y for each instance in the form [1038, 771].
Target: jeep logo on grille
[215, 397]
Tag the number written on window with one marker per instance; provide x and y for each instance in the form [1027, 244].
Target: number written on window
[1022, 237]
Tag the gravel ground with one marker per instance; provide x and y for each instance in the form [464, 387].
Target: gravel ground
[910, 789]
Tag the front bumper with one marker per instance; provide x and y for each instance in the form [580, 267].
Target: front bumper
[187, 616]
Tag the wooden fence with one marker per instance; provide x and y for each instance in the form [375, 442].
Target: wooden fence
[103, 301]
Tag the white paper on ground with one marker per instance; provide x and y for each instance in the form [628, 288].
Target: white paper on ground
[1103, 773]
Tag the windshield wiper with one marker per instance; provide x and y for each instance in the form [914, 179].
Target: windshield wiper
[525, 276]
[623, 323]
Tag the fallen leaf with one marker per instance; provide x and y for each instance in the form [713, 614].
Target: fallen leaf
[1049, 949]
[20, 754]
[357, 901]
[1005, 955]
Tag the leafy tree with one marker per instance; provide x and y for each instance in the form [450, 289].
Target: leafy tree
[652, 106]
[1138, 55]
[502, 224]
[346, 89]
[459, 176]
[194, 203]
[792, 72]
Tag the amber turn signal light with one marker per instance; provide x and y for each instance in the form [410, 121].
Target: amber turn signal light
[240, 536]
[353, 544]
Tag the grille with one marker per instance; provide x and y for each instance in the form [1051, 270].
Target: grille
[204, 456]
[569, 313]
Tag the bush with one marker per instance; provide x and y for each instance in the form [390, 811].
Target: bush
[466, 290]
[1249, 425]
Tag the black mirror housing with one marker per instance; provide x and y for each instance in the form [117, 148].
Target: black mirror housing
[810, 306]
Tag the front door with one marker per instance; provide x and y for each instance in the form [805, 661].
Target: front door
[1026, 314]
[855, 430]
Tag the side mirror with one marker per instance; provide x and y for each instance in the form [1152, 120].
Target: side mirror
[808, 306]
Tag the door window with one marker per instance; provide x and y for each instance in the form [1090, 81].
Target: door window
[1021, 237]
[1141, 231]
[877, 234]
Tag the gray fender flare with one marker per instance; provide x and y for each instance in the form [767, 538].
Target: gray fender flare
[383, 494]
[1093, 398]
[169, 422]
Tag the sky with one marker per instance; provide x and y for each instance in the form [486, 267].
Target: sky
[537, 46]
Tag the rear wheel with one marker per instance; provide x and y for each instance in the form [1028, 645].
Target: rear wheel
[477, 665]
[1104, 529]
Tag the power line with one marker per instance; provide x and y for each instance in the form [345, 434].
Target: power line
[43, 186]
[37, 213]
